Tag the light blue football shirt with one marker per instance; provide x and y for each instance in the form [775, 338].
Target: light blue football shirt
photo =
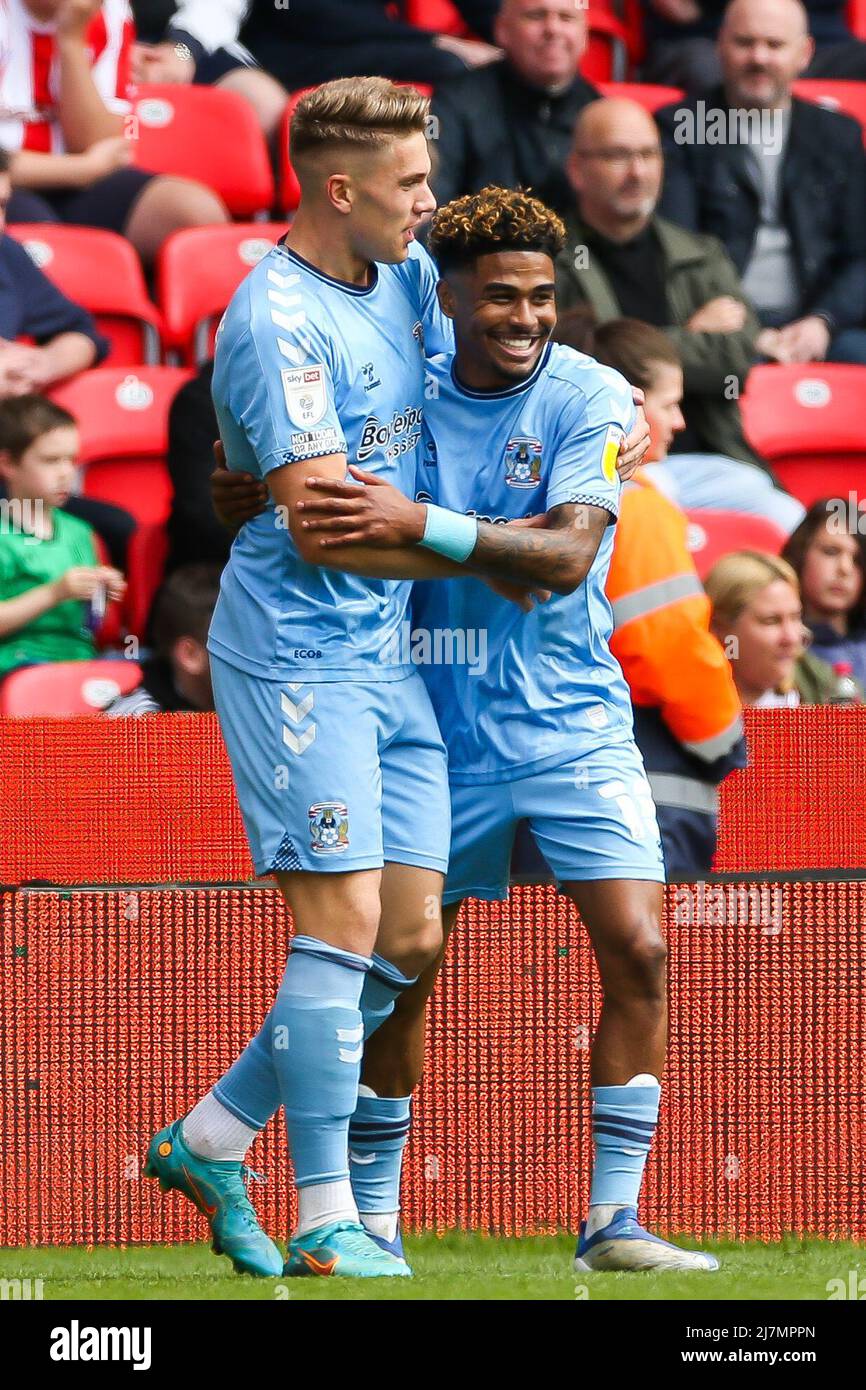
[305, 366]
[535, 689]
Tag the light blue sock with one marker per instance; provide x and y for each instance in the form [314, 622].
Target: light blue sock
[317, 1040]
[382, 987]
[378, 1131]
[624, 1121]
[379, 1128]
[250, 1089]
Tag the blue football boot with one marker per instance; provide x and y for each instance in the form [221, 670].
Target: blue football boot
[342, 1248]
[393, 1247]
[624, 1244]
[218, 1190]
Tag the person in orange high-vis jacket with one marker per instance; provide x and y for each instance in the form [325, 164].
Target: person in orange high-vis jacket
[687, 712]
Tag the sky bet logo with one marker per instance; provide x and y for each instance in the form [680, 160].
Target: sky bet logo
[77, 1343]
[375, 435]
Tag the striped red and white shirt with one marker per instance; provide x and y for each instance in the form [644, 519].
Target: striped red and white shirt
[29, 72]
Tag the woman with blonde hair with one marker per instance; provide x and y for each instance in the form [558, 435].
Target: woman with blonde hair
[758, 618]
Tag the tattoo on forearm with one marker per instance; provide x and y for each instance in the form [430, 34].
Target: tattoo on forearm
[557, 556]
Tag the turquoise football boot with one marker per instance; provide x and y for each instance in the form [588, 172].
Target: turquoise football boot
[342, 1248]
[218, 1190]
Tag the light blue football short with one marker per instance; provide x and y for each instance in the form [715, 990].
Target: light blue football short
[337, 775]
[591, 818]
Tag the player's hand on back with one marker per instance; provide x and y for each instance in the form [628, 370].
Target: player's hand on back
[236, 497]
[367, 512]
[637, 441]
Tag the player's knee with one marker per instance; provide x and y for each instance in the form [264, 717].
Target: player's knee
[637, 967]
[418, 947]
[646, 958]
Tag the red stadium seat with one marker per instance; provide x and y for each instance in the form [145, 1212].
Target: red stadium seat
[198, 271]
[290, 189]
[646, 94]
[208, 134]
[123, 421]
[847, 97]
[714, 534]
[856, 18]
[439, 15]
[807, 421]
[67, 687]
[101, 271]
[145, 566]
[608, 48]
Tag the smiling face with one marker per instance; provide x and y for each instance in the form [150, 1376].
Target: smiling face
[504, 309]
[543, 39]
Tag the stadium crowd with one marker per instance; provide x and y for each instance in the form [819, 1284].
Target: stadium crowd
[703, 252]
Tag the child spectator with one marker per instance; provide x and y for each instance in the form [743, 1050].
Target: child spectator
[830, 563]
[51, 583]
[177, 676]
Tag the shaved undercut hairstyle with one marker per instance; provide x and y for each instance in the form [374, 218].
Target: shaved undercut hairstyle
[359, 112]
[496, 219]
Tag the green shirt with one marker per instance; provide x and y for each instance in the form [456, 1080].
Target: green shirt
[61, 634]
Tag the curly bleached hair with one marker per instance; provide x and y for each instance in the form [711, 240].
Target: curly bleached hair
[496, 219]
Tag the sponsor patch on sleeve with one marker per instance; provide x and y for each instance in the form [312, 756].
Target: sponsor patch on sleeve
[610, 452]
[305, 393]
[314, 443]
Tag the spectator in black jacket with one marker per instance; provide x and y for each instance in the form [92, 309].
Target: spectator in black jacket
[511, 123]
[681, 42]
[780, 182]
[64, 335]
[194, 534]
[305, 42]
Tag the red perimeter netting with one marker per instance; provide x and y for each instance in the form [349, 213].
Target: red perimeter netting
[119, 1008]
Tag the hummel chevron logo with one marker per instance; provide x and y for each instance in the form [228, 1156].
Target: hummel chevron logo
[299, 711]
[297, 353]
[297, 743]
[282, 282]
[288, 321]
[284, 300]
[351, 1035]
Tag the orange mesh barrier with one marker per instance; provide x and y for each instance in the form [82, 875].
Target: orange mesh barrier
[151, 800]
[119, 1008]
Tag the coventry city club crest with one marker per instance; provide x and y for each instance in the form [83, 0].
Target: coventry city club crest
[523, 462]
[329, 827]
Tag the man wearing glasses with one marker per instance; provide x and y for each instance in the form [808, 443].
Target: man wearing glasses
[622, 259]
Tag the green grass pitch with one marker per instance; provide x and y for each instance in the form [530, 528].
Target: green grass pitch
[457, 1266]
